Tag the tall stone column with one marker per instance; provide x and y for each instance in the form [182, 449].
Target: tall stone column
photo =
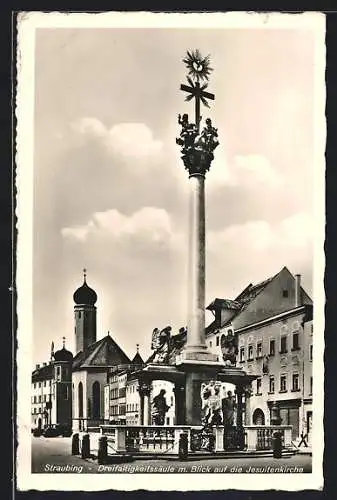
[196, 265]
[197, 146]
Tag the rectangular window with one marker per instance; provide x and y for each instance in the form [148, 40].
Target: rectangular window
[250, 352]
[34, 399]
[34, 386]
[283, 344]
[167, 420]
[39, 385]
[258, 386]
[40, 399]
[210, 343]
[272, 347]
[296, 382]
[259, 350]
[242, 353]
[272, 384]
[44, 398]
[44, 384]
[217, 340]
[285, 294]
[311, 386]
[310, 352]
[283, 383]
[58, 373]
[296, 344]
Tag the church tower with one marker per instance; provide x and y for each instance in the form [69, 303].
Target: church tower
[85, 316]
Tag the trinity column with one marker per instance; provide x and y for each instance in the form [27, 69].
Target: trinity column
[197, 148]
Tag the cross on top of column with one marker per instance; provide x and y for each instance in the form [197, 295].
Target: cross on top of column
[197, 147]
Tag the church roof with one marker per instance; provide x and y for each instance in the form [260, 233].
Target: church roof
[85, 295]
[63, 355]
[137, 360]
[104, 353]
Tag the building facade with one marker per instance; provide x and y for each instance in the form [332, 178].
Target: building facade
[272, 323]
[52, 391]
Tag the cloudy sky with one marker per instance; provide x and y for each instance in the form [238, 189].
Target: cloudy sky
[110, 190]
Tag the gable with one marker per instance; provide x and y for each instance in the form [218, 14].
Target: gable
[271, 300]
[104, 353]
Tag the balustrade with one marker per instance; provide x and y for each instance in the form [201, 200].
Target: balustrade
[152, 439]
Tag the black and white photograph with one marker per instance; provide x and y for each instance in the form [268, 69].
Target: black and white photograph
[170, 177]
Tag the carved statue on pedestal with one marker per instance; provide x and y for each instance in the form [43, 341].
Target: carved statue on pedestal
[160, 344]
[159, 408]
[229, 348]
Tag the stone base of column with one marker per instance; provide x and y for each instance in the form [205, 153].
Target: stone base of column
[198, 353]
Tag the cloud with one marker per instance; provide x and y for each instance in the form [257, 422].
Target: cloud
[256, 250]
[149, 225]
[260, 236]
[244, 171]
[129, 140]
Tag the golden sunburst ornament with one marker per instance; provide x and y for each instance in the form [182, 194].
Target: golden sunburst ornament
[198, 67]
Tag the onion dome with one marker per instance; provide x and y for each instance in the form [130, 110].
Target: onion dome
[63, 354]
[85, 295]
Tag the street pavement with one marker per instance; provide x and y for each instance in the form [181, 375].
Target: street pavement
[53, 455]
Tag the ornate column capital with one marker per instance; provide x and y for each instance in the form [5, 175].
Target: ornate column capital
[144, 389]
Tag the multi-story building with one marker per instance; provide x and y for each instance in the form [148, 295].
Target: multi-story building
[51, 391]
[42, 378]
[124, 400]
[132, 403]
[273, 328]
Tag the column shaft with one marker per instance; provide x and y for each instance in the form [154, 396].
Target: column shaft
[196, 265]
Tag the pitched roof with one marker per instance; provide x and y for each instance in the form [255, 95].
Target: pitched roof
[137, 360]
[240, 303]
[42, 373]
[245, 298]
[103, 353]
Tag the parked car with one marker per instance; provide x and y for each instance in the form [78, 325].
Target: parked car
[51, 431]
[56, 430]
[37, 432]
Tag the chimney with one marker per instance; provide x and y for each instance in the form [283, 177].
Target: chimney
[37, 367]
[297, 290]
[44, 364]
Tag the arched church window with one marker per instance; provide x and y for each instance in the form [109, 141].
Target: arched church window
[80, 400]
[96, 400]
